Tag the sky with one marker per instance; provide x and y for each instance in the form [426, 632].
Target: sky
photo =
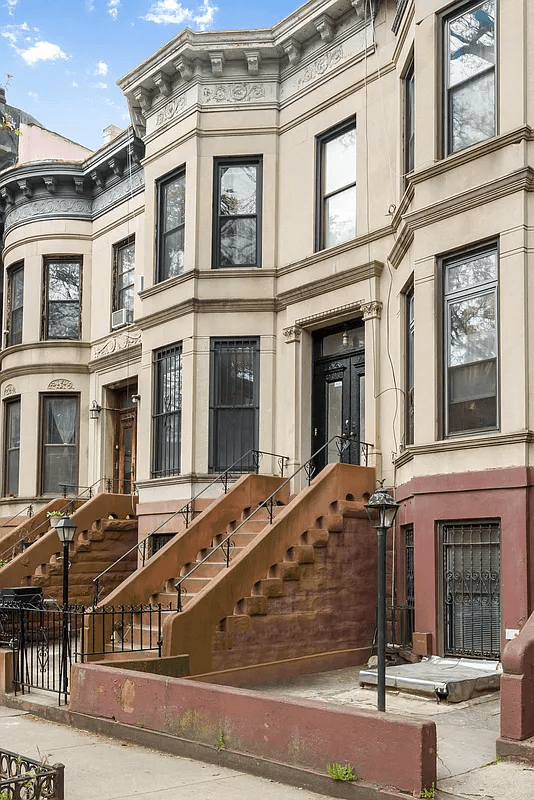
[60, 59]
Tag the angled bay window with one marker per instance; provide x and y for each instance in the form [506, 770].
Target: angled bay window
[336, 186]
[470, 84]
[171, 226]
[471, 341]
[59, 444]
[62, 299]
[237, 212]
[167, 411]
[15, 301]
[12, 447]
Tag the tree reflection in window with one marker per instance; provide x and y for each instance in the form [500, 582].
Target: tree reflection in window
[238, 214]
[62, 314]
[471, 76]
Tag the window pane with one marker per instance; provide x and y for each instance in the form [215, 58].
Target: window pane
[63, 281]
[350, 339]
[473, 112]
[238, 190]
[17, 290]
[13, 424]
[12, 471]
[472, 330]
[60, 448]
[473, 381]
[472, 271]
[174, 204]
[340, 161]
[126, 298]
[59, 464]
[173, 254]
[63, 321]
[473, 415]
[340, 217]
[238, 242]
[126, 258]
[472, 42]
[60, 418]
[15, 334]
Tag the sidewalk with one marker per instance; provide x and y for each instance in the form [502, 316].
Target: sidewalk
[104, 768]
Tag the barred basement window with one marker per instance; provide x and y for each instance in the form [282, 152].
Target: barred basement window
[167, 411]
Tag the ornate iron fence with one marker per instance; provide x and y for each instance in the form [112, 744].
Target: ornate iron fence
[23, 778]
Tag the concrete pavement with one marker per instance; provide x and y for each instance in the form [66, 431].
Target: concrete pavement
[98, 768]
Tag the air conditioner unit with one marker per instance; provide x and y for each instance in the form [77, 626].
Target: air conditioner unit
[122, 317]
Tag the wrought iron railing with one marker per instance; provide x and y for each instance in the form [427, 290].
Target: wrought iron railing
[188, 510]
[45, 644]
[343, 445]
[27, 779]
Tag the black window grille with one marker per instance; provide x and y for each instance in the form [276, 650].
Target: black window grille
[472, 589]
[167, 411]
[234, 402]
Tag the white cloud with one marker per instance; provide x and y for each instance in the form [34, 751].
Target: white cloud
[113, 8]
[43, 51]
[13, 32]
[90, 5]
[33, 95]
[101, 68]
[74, 84]
[172, 12]
[99, 85]
[11, 6]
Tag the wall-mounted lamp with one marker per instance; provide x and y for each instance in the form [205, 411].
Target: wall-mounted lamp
[136, 398]
[95, 409]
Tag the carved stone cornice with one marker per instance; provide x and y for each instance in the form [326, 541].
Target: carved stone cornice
[42, 369]
[26, 187]
[98, 179]
[117, 166]
[144, 98]
[253, 61]
[184, 67]
[293, 49]
[326, 27]
[292, 334]
[163, 83]
[51, 183]
[217, 63]
[331, 314]
[372, 310]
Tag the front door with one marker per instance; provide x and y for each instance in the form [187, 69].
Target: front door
[338, 401]
[125, 450]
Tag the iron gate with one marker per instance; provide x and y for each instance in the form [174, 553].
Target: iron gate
[472, 583]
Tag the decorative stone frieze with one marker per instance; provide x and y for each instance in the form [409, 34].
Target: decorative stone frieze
[120, 342]
[184, 67]
[253, 61]
[58, 207]
[60, 385]
[321, 65]
[217, 63]
[292, 334]
[9, 390]
[293, 50]
[234, 93]
[171, 110]
[371, 310]
[118, 192]
[326, 27]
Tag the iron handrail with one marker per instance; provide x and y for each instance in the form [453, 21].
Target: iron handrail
[187, 510]
[28, 508]
[63, 510]
[343, 443]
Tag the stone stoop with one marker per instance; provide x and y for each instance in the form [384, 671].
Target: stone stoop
[93, 550]
[305, 601]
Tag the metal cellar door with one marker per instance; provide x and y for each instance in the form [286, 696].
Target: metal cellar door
[472, 589]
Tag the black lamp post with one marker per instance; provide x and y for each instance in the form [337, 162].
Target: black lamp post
[381, 510]
[66, 530]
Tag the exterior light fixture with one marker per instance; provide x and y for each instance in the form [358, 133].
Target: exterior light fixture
[66, 530]
[94, 410]
[381, 509]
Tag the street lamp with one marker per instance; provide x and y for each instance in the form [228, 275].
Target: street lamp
[66, 530]
[381, 510]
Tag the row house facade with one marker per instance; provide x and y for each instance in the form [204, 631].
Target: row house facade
[312, 230]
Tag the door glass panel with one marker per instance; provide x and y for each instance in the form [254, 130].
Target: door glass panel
[334, 417]
[127, 444]
[333, 343]
[362, 408]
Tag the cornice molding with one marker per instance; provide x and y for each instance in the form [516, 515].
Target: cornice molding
[194, 305]
[47, 344]
[464, 443]
[231, 274]
[334, 252]
[131, 356]
[519, 180]
[330, 283]
[43, 369]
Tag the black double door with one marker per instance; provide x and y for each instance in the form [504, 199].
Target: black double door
[338, 398]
